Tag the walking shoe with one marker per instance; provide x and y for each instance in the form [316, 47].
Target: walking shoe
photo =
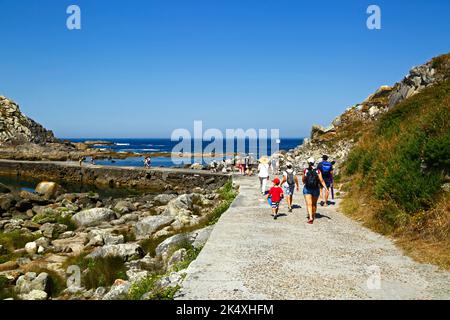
[310, 221]
[290, 210]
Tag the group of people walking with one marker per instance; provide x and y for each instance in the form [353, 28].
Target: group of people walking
[317, 183]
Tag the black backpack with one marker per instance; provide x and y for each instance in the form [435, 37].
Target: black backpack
[290, 178]
[312, 179]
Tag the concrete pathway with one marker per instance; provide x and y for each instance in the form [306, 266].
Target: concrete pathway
[251, 256]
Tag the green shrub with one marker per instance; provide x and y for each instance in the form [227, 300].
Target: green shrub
[3, 282]
[191, 254]
[389, 123]
[100, 271]
[227, 194]
[436, 153]
[6, 289]
[390, 218]
[164, 294]
[67, 220]
[148, 284]
[16, 239]
[46, 216]
[103, 272]
[352, 164]
[405, 184]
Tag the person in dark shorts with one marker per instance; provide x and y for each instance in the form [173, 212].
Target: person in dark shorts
[290, 181]
[312, 180]
[275, 194]
[326, 168]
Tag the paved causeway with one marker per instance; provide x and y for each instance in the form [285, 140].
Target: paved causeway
[251, 256]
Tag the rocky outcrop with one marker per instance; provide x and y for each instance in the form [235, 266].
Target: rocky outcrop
[92, 217]
[126, 251]
[343, 133]
[16, 128]
[141, 235]
[149, 225]
[22, 138]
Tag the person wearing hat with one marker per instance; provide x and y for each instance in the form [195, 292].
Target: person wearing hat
[326, 168]
[290, 180]
[275, 194]
[312, 180]
[263, 173]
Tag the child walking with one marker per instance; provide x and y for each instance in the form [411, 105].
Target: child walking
[275, 194]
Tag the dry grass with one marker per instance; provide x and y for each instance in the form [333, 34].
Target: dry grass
[425, 237]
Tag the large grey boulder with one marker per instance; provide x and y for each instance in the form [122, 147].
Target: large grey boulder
[7, 201]
[126, 251]
[34, 295]
[99, 237]
[119, 291]
[52, 230]
[163, 199]
[31, 248]
[196, 239]
[92, 217]
[150, 225]
[176, 257]
[171, 244]
[181, 208]
[124, 206]
[201, 237]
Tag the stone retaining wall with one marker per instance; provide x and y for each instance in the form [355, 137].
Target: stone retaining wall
[151, 179]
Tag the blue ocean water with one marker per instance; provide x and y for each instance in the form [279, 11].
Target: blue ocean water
[156, 145]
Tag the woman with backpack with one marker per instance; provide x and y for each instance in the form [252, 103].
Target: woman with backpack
[312, 180]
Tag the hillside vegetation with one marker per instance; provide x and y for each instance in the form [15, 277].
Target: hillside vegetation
[397, 177]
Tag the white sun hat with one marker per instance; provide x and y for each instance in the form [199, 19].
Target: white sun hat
[311, 160]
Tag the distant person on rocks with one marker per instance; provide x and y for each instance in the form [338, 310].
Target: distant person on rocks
[147, 162]
[274, 165]
[240, 166]
[263, 173]
[275, 196]
[93, 160]
[312, 180]
[81, 160]
[290, 180]
[225, 166]
[326, 168]
[246, 164]
[213, 166]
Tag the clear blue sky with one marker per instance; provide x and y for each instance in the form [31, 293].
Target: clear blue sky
[142, 68]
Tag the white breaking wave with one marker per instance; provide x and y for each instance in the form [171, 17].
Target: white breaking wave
[122, 144]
